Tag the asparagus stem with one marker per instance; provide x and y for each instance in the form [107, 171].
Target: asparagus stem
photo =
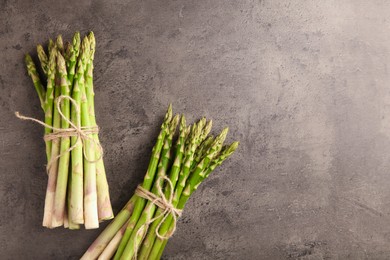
[161, 250]
[32, 72]
[147, 183]
[173, 177]
[106, 236]
[147, 214]
[63, 166]
[53, 163]
[91, 219]
[76, 209]
[71, 223]
[103, 195]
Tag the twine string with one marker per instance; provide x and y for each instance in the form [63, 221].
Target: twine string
[81, 132]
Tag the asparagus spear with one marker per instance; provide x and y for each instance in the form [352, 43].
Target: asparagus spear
[76, 200]
[54, 91]
[107, 235]
[31, 69]
[55, 148]
[103, 195]
[150, 207]
[75, 191]
[63, 166]
[90, 198]
[147, 183]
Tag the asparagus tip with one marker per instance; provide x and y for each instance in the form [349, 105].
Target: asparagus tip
[225, 131]
[221, 137]
[85, 48]
[174, 123]
[208, 127]
[40, 50]
[182, 123]
[60, 42]
[232, 147]
[168, 115]
[202, 122]
[76, 43]
[50, 45]
[30, 65]
[92, 42]
[91, 38]
[27, 58]
[61, 63]
[76, 38]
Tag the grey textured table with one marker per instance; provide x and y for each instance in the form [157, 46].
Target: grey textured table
[304, 85]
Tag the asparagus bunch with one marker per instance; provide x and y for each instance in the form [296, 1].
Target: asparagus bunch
[77, 190]
[141, 230]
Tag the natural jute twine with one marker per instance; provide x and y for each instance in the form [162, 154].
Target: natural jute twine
[162, 202]
[81, 132]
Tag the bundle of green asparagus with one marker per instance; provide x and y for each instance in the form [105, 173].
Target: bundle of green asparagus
[77, 190]
[142, 228]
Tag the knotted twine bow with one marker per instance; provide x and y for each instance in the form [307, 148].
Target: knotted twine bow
[162, 202]
[81, 132]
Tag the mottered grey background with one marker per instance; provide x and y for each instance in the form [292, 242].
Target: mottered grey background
[303, 85]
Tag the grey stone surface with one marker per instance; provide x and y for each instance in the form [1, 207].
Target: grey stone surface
[304, 85]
